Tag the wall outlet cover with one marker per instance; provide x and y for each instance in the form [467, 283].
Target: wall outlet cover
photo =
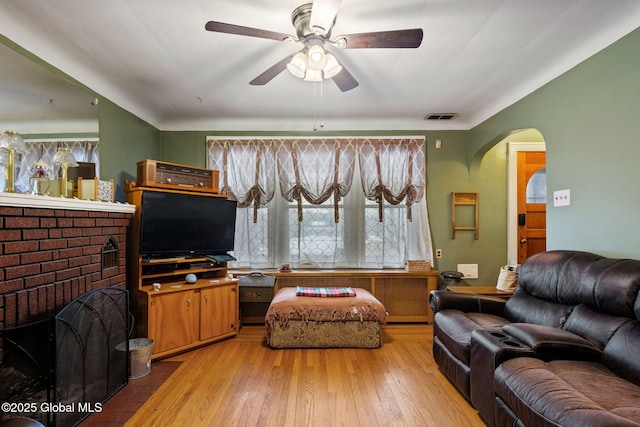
[562, 198]
[470, 271]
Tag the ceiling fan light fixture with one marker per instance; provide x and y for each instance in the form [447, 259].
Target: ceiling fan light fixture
[332, 67]
[298, 65]
[323, 15]
[313, 75]
[317, 57]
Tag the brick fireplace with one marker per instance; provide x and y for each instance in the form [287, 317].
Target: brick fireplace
[62, 269]
[53, 250]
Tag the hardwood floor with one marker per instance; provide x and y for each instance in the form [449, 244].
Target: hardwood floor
[241, 382]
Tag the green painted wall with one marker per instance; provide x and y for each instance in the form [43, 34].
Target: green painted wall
[589, 120]
[448, 172]
[124, 141]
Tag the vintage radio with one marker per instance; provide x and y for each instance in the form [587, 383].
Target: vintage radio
[154, 173]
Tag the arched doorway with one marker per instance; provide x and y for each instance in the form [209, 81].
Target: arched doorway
[521, 243]
[532, 204]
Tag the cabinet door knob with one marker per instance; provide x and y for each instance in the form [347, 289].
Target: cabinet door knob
[206, 298]
[188, 303]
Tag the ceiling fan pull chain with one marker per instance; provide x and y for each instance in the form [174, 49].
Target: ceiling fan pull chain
[315, 108]
[321, 106]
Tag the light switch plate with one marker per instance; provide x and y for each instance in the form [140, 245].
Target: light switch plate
[470, 271]
[562, 198]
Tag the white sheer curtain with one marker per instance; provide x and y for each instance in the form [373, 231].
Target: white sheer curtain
[316, 169]
[247, 170]
[393, 170]
[305, 226]
[247, 173]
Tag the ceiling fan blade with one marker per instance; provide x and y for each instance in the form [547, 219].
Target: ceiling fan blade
[344, 80]
[323, 15]
[384, 39]
[271, 72]
[221, 27]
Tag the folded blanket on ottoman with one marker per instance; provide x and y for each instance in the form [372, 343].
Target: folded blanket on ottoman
[325, 292]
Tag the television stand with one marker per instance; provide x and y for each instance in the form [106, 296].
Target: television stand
[176, 315]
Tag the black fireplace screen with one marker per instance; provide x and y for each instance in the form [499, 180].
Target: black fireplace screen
[61, 370]
[89, 368]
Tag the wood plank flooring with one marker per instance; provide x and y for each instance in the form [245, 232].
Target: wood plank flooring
[241, 382]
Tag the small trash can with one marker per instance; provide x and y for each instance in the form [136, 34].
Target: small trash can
[451, 278]
[139, 356]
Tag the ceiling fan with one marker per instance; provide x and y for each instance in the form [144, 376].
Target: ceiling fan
[313, 23]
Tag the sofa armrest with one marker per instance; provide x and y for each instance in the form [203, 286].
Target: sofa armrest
[441, 300]
[551, 343]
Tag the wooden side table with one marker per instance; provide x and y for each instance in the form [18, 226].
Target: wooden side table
[491, 291]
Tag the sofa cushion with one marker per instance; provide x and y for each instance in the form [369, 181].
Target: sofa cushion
[567, 393]
[594, 325]
[523, 307]
[554, 275]
[622, 352]
[611, 286]
[454, 327]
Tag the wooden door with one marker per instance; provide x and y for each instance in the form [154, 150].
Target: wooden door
[173, 320]
[532, 207]
[219, 311]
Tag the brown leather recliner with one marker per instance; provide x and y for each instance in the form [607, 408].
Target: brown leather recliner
[571, 309]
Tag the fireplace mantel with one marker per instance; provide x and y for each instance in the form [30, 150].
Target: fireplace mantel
[48, 202]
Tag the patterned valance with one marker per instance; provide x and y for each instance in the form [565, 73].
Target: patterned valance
[391, 168]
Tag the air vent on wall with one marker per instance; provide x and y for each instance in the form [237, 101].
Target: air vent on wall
[441, 116]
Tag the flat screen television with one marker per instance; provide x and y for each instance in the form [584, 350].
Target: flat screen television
[176, 225]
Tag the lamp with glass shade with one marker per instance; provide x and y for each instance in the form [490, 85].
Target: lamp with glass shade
[11, 143]
[65, 159]
[298, 65]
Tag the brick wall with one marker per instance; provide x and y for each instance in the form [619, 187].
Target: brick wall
[48, 257]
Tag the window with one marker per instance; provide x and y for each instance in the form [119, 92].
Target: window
[537, 187]
[300, 228]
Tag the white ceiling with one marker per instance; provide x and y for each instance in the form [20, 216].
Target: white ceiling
[155, 59]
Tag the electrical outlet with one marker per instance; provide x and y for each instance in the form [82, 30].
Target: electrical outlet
[438, 253]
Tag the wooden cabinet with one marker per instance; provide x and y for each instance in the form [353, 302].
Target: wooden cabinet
[404, 294]
[219, 311]
[173, 320]
[181, 316]
[178, 316]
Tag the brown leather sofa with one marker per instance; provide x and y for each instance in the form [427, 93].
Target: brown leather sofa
[564, 350]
